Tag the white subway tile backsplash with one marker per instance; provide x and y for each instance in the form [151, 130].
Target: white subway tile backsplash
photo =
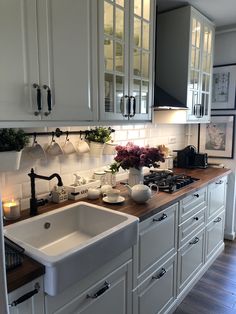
[16, 184]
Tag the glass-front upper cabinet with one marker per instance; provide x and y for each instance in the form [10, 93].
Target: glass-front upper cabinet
[200, 70]
[184, 61]
[125, 59]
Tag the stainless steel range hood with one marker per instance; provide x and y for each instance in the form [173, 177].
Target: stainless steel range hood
[163, 100]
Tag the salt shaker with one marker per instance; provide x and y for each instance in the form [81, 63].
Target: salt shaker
[110, 178]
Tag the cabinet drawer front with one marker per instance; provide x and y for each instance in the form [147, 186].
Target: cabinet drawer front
[158, 291]
[191, 226]
[214, 234]
[192, 204]
[190, 259]
[158, 239]
[216, 197]
[111, 294]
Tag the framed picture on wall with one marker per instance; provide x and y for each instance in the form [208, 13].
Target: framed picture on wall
[223, 87]
[217, 137]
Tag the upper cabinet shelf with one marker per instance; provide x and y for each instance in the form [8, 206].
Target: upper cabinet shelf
[126, 59]
[185, 41]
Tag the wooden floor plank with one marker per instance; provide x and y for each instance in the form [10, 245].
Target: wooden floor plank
[215, 293]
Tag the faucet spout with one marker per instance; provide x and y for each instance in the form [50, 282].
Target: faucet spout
[34, 203]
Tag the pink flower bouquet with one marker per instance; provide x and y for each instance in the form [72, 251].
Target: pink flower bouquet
[133, 156]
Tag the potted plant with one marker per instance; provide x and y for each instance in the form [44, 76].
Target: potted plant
[97, 138]
[11, 144]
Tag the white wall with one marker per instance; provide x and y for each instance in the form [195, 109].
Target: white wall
[17, 184]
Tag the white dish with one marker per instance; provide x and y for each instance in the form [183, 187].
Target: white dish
[119, 200]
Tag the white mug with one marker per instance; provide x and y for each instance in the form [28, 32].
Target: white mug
[36, 151]
[93, 193]
[54, 149]
[112, 195]
[68, 147]
[83, 147]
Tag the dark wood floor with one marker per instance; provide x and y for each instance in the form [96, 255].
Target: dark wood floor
[215, 293]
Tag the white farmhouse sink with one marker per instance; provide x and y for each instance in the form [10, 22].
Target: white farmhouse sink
[74, 240]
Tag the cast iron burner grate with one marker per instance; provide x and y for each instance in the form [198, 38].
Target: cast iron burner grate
[167, 181]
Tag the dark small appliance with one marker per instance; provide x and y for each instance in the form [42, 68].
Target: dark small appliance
[189, 158]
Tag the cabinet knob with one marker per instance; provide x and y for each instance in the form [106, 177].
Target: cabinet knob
[219, 182]
[161, 274]
[100, 291]
[132, 100]
[164, 216]
[124, 106]
[195, 240]
[218, 219]
[196, 195]
[26, 296]
[195, 218]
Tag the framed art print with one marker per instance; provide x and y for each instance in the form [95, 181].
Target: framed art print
[223, 87]
[217, 137]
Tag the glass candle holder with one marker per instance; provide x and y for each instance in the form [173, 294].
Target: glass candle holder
[11, 209]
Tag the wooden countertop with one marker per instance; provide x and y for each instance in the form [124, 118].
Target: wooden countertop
[30, 270]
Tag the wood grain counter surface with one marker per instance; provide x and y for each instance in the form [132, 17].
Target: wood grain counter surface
[157, 203]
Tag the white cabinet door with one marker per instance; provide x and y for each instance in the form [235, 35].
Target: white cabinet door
[33, 305]
[190, 259]
[126, 31]
[214, 235]
[111, 294]
[157, 238]
[158, 291]
[216, 197]
[18, 59]
[65, 37]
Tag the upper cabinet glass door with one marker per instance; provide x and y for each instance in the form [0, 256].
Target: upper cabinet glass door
[114, 51]
[200, 69]
[141, 55]
[125, 55]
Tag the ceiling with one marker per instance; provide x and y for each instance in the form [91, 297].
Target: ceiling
[221, 12]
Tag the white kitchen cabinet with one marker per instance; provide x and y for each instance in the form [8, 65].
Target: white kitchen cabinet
[158, 291]
[185, 41]
[192, 204]
[216, 197]
[126, 31]
[107, 290]
[214, 234]
[47, 62]
[157, 240]
[190, 259]
[32, 305]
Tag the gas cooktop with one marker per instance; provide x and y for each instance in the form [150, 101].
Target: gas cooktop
[167, 181]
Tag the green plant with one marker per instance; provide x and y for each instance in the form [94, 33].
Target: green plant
[99, 134]
[114, 167]
[11, 139]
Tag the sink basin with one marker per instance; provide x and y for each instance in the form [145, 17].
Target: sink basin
[74, 240]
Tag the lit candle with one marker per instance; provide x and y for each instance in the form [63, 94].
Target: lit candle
[11, 209]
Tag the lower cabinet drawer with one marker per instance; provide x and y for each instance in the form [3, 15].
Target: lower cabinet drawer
[191, 226]
[190, 259]
[157, 238]
[214, 234]
[157, 292]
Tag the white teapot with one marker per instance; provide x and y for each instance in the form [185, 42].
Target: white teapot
[141, 193]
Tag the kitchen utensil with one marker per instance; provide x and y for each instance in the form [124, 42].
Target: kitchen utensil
[141, 193]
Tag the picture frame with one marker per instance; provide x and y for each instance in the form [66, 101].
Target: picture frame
[217, 137]
[224, 87]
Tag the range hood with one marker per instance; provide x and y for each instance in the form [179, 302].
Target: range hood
[163, 100]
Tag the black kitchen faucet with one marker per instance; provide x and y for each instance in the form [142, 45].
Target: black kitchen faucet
[34, 202]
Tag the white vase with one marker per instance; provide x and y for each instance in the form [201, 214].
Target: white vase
[10, 161]
[96, 149]
[135, 176]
